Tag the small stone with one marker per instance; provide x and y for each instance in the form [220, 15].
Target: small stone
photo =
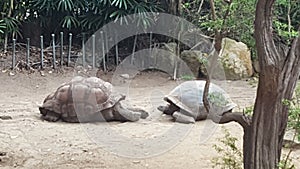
[72, 159]
[42, 73]
[5, 117]
[125, 76]
[11, 74]
[136, 162]
[13, 137]
[50, 72]
[3, 153]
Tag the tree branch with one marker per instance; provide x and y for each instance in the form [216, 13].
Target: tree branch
[239, 117]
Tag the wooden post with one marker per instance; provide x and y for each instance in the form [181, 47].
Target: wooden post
[42, 52]
[117, 49]
[53, 51]
[93, 51]
[61, 48]
[83, 49]
[69, 49]
[14, 55]
[27, 50]
[103, 51]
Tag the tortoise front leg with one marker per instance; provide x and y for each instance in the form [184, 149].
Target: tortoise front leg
[181, 118]
[168, 109]
[143, 113]
[123, 114]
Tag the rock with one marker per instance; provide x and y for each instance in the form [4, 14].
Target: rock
[194, 60]
[12, 73]
[42, 73]
[136, 162]
[197, 60]
[5, 118]
[163, 59]
[236, 59]
[125, 76]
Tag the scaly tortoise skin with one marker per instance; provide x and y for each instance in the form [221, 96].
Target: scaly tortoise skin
[87, 100]
[186, 102]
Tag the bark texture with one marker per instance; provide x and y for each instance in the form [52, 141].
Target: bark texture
[277, 80]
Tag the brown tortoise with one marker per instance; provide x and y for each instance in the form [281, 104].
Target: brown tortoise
[87, 100]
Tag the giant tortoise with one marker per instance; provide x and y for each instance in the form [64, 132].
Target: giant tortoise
[87, 100]
[185, 102]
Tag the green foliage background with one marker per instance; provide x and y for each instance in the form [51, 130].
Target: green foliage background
[90, 15]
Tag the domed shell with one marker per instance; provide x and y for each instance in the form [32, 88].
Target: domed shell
[188, 96]
[81, 98]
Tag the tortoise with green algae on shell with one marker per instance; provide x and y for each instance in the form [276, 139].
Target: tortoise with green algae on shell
[185, 102]
[88, 100]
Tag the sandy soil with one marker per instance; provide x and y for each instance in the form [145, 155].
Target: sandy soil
[156, 142]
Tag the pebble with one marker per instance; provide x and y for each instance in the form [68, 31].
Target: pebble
[136, 161]
[125, 76]
[5, 117]
[11, 74]
[42, 73]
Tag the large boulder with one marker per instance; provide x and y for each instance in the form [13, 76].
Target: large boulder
[236, 59]
[197, 62]
[164, 59]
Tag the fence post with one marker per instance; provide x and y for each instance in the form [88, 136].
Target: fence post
[61, 48]
[42, 52]
[117, 49]
[83, 49]
[69, 49]
[53, 50]
[27, 50]
[133, 50]
[14, 55]
[103, 51]
[93, 51]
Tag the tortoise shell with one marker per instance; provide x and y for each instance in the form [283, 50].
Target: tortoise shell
[188, 96]
[81, 99]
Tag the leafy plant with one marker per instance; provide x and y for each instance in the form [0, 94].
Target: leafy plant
[187, 77]
[88, 15]
[217, 99]
[294, 113]
[231, 155]
[234, 20]
[2, 26]
[249, 110]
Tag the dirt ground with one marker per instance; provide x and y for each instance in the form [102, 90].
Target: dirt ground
[26, 141]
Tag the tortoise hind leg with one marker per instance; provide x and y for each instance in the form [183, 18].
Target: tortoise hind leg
[124, 114]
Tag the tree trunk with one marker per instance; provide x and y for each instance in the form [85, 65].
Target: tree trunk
[278, 76]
